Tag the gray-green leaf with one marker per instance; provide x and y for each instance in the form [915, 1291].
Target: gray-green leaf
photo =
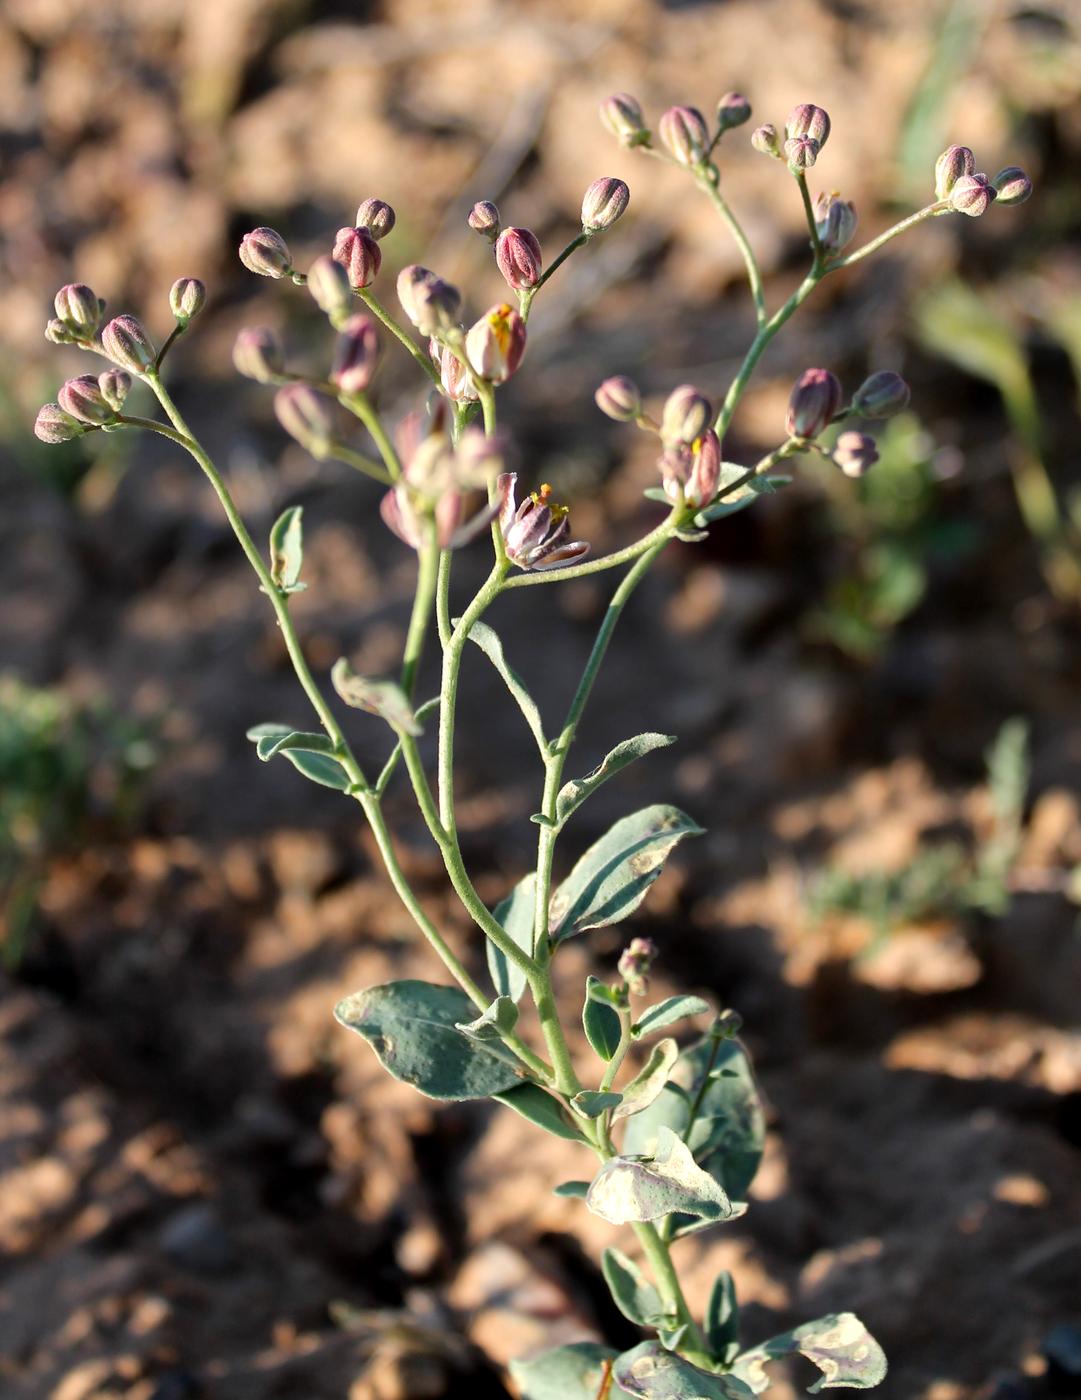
[645, 1188]
[839, 1345]
[572, 794]
[531, 1101]
[492, 647]
[722, 1319]
[515, 915]
[494, 1023]
[649, 1081]
[412, 1027]
[574, 1372]
[308, 753]
[383, 698]
[653, 1373]
[666, 1012]
[600, 1021]
[591, 1103]
[613, 877]
[573, 1190]
[287, 550]
[631, 1291]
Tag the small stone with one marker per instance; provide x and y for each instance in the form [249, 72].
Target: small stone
[196, 1239]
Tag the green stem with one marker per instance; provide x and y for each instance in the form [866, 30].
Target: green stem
[341, 453]
[758, 345]
[360, 406]
[754, 274]
[693, 1347]
[526, 295]
[423, 601]
[928, 211]
[170, 340]
[376, 307]
[812, 223]
[661, 534]
[153, 426]
[442, 598]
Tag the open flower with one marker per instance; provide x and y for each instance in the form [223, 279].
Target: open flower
[535, 532]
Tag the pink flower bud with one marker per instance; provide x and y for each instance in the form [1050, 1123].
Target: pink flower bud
[258, 355]
[835, 220]
[764, 138]
[518, 254]
[328, 284]
[376, 216]
[115, 385]
[972, 195]
[57, 333]
[78, 309]
[429, 302]
[265, 251]
[1012, 185]
[954, 162]
[732, 110]
[126, 342]
[881, 395]
[814, 402]
[454, 376]
[53, 425]
[855, 453]
[359, 254]
[484, 219]
[705, 474]
[496, 343]
[810, 122]
[686, 415]
[619, 398]
[605, 201]
[684, 133]
[83, 399]
[801, 152]
[187, 297]
[356, 355]
[623, 116]
[635, 964]
[305, 417]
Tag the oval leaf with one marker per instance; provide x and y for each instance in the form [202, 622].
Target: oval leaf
[656, 1374]
[412, 1027]
[648, 1083]
[287, 550]
[383, 698]
[839, 1345]
[492, 647]
[575, 1372]
[722, 1320]
[571, 795]
[308, 753]
[600, 1021]
[631, 1291]
[591, 1103]
[531, 1101]
[667, 1012]
[515, 915]
[630, 1189]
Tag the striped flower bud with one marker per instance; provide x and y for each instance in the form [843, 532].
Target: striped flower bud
[881, 395]
[835, 220]
[764, 138]
[484, 219]
[623, 116]
[605, 201]
[78, 309]
[83, 399]
[187, 297]
[429, 302]
[801, 152]
[1012, 185]
[732, 110]
[814, 402]
[305, 416]
[53, 425]
[496, 343]
[126, 342]
[518, 254]
[855, 453]
[954, 162]
[376, 216]
[359, 254]
[265, 251]
[57, 333]
[686, 415]
[115, 385]
[705, 473]
[258, 355]
[356, 354]
[618, 397]
[328, 284]
[454, 376]
[972, 195]
[684, 134]
[809, 122]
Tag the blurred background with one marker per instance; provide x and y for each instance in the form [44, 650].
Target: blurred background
[206, 1188]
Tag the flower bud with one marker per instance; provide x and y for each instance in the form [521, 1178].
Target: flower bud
[764, 138]
[623, 116]
[518, 254]
[810, 122]
[83, 399]
[705, 474]
[356, 355]
[686, 415]
[484, 219]
[115, 385]
[814, 401]
[881, 395]
[684, 132]
[53, 425]
[328, 283]
[1012, 185]
[78, 309]
[732, 110]
[496, 344]
[126, 342]
[305, 417]
[835, 220]
[479, 457]
[635, 964]
[972, 195]
[359, 254]
[605, 201]
[619, 398]
[429, 302]
[801, 152]
[954, 162]
[257, 354]
[376, 216]
[266, 252]
[57, 333]
[187, 297]
[855, 453]
[454, 376]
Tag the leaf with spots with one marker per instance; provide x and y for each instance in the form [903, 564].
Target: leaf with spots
[656, 1374]
[839, 1345]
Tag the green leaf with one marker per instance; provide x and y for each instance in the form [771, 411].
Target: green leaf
[657, 493]
[645, 1188]
[308, 753]
[287, 550]
[601, 1022]
[413, 1028]
[656, 1374]
[631, 1291]
[613, 877]
[574, 1372]
[531, 1101]
[839, 1345]
[649, 1081]
[493, 1024]
[666, 1013]
[591, 1103]
[515, 916]
[492, 647]
[271, 744]
[571, 795]
[383, 698]
[577, 1190]
[722, 1320]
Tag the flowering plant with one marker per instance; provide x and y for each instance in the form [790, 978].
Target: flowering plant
[679, 1135]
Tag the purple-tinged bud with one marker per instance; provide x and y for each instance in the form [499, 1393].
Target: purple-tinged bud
[623, 116]
[376, 216]
[115, 385]
[356, 355]
[479, 456]
[954, 162]
[855, 453]
[881, 395]
[496, 344]
[764, 138]
[187, 297]
[605, 201]
[429, 302]
[732, 110]
[265, 251]
[78, 309]
[484, 219]
[83, 399]
[359, 254]
[57, 333]
[972, 195]
[126, 342]
[801, 152]
[684, 133]
[810, 122]
[258, 355]
[53, 425]
[814, 402]
[454, 376]
[1012, 185]
[835, 220]
[305, 417]
[686, 415]
[518, 254]
[635, 964]
[328, 283]
[619, 398]
[705, 475]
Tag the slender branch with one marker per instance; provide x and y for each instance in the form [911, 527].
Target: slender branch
[927, 212]
[423, 601]
[660, 534]
[361, 407]
[170, 340]
[526, 295]
[342, 453]
[754, 273]
[376, 307]
[758, 345]
[812, 222]
[660, 1261]
[442, 598]
[153, 426]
